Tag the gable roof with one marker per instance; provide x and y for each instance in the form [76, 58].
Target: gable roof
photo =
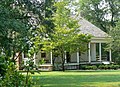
[88, 28]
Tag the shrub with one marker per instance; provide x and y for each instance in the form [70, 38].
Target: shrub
[109, 67]
[115, 67]
[12, 78]
[112, 66]
[89, 67]
[83, 67]
[3, 66]
[101, 67]
[106, 66]
[94, 67]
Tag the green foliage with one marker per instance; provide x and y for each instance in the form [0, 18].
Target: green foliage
[101, 66]
[115, 67]
[102, 13]
[88, 67]
[66, 36]
[42, 62]
[29, 67]
[13, 28]
[18, 22]
[115, 44]
[3, 66]
[12, 77]
[111, 66]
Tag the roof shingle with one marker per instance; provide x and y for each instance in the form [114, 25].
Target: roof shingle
[88, 28]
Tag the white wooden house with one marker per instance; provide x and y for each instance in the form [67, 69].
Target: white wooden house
[92, 56]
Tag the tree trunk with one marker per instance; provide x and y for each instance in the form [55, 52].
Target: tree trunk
[63, 68]
[63, 61]
[26, 82]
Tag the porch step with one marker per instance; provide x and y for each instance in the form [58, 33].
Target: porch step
[46, 67]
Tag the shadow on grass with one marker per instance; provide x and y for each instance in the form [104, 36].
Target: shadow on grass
[92, 71]
[75, 80]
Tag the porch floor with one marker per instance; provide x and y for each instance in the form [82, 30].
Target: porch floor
[49, 67]
[93, 62]
[86, 62]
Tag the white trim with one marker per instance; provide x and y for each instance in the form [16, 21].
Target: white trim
[89, 56]
[65, 57]
[100, 39]
[78, 57]
[110, 53]
[51, 58]
[22, 55]
[100, 51]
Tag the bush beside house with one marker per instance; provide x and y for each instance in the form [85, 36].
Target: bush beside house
[101, 67]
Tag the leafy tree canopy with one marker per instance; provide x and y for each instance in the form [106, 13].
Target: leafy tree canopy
[115, 44]
[66, 35]
[102, 13]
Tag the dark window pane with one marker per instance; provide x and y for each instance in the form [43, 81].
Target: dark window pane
[43, 55]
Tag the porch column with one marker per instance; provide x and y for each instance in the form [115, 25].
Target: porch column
[65, 57]
[110, 55]
[100, 51]
[78, 57]
[22, 55]
[89, 56]
[51, 57]
[93, 51]
[34, 57]
[23, 58]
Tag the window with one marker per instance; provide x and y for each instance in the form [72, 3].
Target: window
[25, 54]
[43, 55]
[68, 56]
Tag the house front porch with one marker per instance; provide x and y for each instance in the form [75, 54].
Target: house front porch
[94, 55]
[69, 66]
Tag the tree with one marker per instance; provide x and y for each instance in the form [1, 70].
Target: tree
[102, 13]
[18, 22]
[13, 29]
[10, 24]
[66, 36]
[115, 44]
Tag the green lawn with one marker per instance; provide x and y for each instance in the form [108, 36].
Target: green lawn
[109, 78]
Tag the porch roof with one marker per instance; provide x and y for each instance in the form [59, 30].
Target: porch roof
[88, 28]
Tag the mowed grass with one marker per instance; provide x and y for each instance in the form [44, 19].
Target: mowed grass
[109, 78]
